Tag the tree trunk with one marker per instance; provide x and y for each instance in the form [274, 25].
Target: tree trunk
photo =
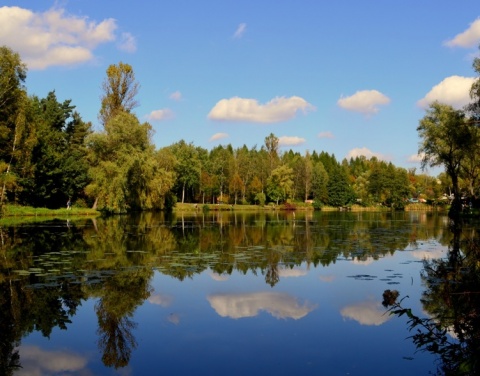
[95, 203]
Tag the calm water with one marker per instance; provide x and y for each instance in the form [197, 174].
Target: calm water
[215, 294]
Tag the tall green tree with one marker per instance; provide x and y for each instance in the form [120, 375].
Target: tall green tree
[340, 193]
[126, 172]
[446, 138]
[58, 165]
[280, 183]
[319, 183]
[120, 89]
[187, 167]
[271, 145]
[13, 98]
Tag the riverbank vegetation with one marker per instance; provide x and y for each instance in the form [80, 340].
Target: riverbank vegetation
[50, 155]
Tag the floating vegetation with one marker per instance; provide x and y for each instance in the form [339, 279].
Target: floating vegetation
[363, 277]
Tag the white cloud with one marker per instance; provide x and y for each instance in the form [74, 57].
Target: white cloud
[161, 300]
[290, 141]
[128, 43]
[218, 136]
[429, 255]
[174, 318]
[295, 272]
[468, 38]
[279, 305]
[36, 361]
[161, 115]
[416, 158]
[368, 261]
[327, 278]
[240, 31]
[249, 110]
[219, 277]
[365, 101]
[357, 152]
[453, 90]
[366, 313]
[327, 134]
[176, 96]
[52, 37]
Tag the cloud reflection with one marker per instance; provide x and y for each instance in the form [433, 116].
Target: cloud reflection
[160, 299]
[36, 361]
[295, 272]
[174, 318]
[279, 305]
[429, 255]
[327, 278]
[219, 277]
[366, 313]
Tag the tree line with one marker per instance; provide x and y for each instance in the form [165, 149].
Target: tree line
[49, 155]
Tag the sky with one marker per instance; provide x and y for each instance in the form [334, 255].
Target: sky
[347, 77]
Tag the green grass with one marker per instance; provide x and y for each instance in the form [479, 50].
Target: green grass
[28, 211]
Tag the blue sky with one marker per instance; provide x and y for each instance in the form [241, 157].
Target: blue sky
[347, 77]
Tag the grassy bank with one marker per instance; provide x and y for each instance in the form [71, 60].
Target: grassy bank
[10, 212]
[189, 207]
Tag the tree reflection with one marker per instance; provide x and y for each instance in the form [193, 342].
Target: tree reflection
[452, 300]
[121, 294]
[112, 260]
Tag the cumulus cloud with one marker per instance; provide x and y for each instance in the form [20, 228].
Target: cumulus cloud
[453, 90]
[52, 37]
[365, 101]
[240, 31]
[468, 38]
[366, 313]
[161, 115]
[127, 43]
[218, 136]
[176, 96]
[358, 152]
[290, 141]
[36, 361]
[327, 134]
[249, 110]
[279, 305]
[416, 158]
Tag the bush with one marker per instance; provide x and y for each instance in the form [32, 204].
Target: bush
[260, 198]
[317, 204]
[289, 206]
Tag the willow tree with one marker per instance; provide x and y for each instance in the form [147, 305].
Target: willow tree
[120, 89]
[126, 174]
[446, 139]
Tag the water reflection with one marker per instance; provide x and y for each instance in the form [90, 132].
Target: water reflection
[37, 361]
[366, 313]
[279, 305]
[47, 271]
[452, 300]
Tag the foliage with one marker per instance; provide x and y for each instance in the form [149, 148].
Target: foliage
[280, 183]
[125, 172]
[451, 300]
[48, 155]
[446, 140]
[119, 91]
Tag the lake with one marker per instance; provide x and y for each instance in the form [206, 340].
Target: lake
[216, 293]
